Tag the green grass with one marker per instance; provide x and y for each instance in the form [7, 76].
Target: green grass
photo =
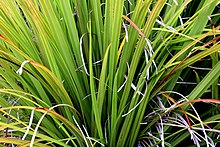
[109, 72]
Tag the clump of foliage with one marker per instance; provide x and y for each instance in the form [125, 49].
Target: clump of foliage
[109, 72]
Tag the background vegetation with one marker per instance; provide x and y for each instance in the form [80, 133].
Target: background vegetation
[109, 72]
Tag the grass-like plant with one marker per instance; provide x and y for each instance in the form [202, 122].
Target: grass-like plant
[109, 72]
